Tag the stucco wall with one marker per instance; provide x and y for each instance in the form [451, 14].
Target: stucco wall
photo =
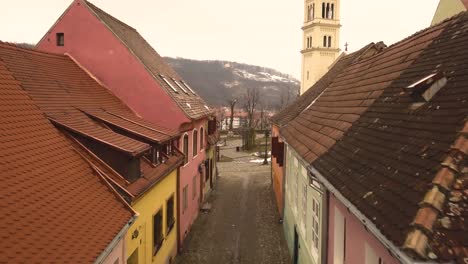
[298, 215]
[187, 173]
[95, 47]
[118, 253]
[277, 175]
[356, 238]
[147, 206]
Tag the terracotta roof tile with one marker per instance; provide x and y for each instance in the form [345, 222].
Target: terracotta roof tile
[191, 104]
[53, 203]
[400, 165]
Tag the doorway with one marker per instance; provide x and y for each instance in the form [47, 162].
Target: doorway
[296, 247]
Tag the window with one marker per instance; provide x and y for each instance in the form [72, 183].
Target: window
[158, 236]
[195, 142]
[60, 39]
[188, 87]
[324, 41]
[186, 148]
[185, 198]
[170, 218]
[202, 138]
[180, 86]
[315, 223]
[304, 204]
[332, 16]
[168, 83]
[307, 75]
[309, 42]
[323, 10]
[313, 10]
[194, 187]
[329, 41]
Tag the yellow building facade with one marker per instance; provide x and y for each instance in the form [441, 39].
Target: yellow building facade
[321, 39]
[145, 242]
[447, 9]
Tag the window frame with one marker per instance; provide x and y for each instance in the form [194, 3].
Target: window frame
[60, 39]
[170, 226]
[188, 87]
[157, 247]
[194, 143]
[168, 83]
[180, 86]
[185, 147]
[202, 138]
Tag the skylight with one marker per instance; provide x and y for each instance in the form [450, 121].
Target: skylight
[426, 88]
[180, 86]
[168, 83]
[188, 87]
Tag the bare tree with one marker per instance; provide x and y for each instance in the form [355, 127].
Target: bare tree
[251, 100]
[232, 103]
[287, 96]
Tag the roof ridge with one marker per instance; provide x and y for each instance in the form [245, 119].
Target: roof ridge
[95, 8]
[433, 203]
[11, 45]
[429, 29]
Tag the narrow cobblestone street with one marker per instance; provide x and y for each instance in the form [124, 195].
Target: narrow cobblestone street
[242, 226]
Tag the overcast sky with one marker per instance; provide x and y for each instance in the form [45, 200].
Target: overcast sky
[260, 32]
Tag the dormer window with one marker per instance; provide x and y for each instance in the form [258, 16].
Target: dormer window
[60, 39]
[168, 83]
[425, 89]
[180, 86]
[188, 87]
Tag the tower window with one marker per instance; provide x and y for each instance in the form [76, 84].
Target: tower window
[307, 75]
[329, 41]
[328, 11]
[323, 10]
[313, 10]
[332, 11]
[324, 41]
[60, 39]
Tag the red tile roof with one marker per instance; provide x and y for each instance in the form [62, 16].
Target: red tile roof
[191, 104]
[65, 96]
[74, 101]
[55, 208]
[465, 2]
[300, 104]
[402, 167]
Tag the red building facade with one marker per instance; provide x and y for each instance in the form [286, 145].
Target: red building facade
[127, 65]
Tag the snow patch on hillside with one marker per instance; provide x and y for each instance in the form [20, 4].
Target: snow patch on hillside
[262, 76]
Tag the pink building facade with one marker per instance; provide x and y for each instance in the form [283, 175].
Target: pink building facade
[124, 62]
[350, 242]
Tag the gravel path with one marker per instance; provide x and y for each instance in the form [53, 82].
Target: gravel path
[242, 226]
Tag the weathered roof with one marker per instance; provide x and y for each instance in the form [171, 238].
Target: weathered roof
[323, 123]
[65, 92]
[53, 203]
[190, 103]
[405, 168]
[301, 103]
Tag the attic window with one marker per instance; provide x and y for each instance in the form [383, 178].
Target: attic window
[425, 89]
[188, 87]
[180, 86]
[60, 39]
[189, 106]
[206, 107]
[168, 83]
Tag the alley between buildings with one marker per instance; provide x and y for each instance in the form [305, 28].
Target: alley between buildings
[243, 223]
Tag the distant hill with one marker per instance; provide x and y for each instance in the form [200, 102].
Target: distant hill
[219, 81]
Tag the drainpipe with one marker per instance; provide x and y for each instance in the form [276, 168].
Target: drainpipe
[394, 250]
[102, 257]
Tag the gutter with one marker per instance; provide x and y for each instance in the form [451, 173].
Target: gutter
[394, 250]
[102, 257]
